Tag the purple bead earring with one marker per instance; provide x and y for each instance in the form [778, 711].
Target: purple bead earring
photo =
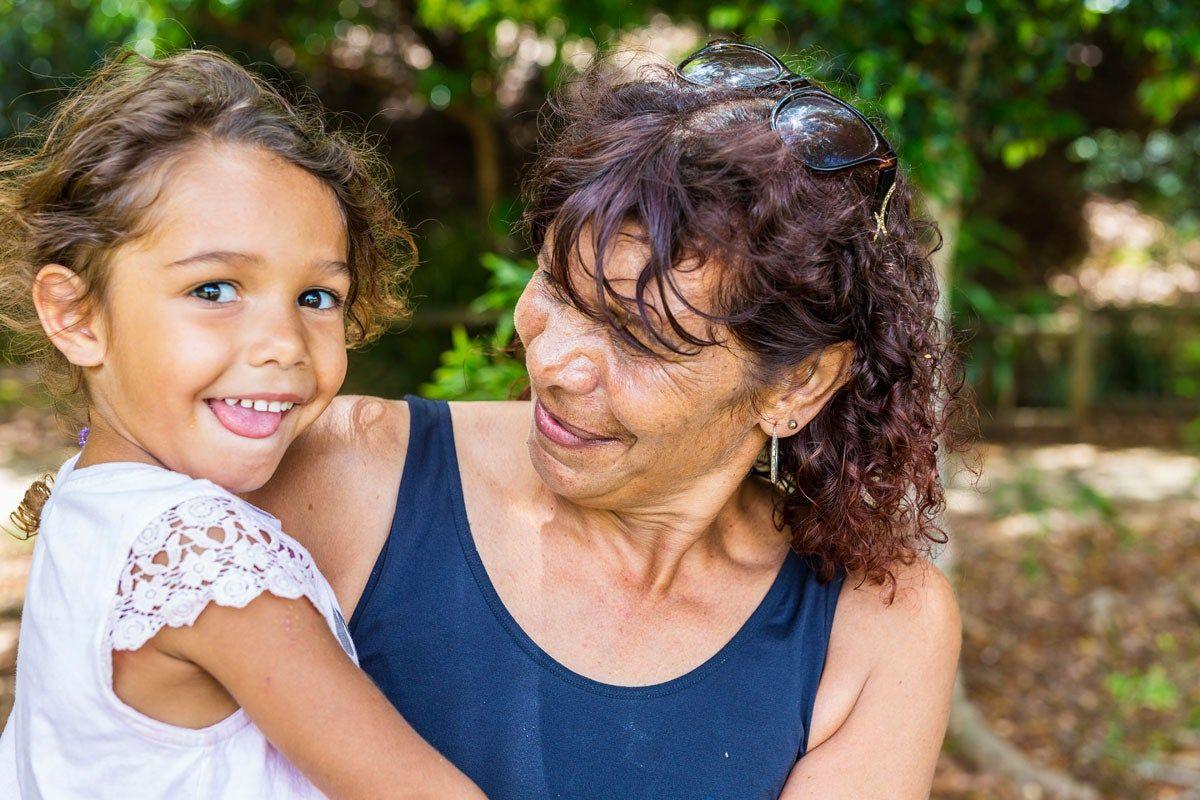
[83, 434]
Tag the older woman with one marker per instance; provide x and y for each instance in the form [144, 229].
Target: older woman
[690, 566]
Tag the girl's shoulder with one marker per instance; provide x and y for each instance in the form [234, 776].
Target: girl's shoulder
[211, 547]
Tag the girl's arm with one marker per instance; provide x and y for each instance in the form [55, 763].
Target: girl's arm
[280, 662]
[216, 607]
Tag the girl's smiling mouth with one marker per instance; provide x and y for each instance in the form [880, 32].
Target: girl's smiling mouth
[252, 417]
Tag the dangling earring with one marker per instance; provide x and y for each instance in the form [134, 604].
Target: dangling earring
[792, 425]
[774, 455]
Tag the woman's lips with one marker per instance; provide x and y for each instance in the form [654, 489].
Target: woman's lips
[246, 421]
[562, 433]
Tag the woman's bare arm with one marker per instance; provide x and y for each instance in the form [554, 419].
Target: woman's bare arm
[887, 745]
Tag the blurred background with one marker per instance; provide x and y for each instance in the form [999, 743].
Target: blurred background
[1057, 143]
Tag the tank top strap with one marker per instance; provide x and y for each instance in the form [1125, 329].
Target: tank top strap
[431, 452]
[424, 501]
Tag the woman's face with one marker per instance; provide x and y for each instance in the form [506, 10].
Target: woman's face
[615, 428]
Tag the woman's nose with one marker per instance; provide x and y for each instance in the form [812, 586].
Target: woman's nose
[565, 356]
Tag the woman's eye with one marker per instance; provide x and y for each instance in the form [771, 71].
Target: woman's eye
[320, 299]
[550, 286]
[216, 292]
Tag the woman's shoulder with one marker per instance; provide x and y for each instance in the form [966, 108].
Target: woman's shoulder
[361, 425]
[889, 635]
[360, 432]
[922, 595]
[354, 435]
[334, 489]
[917, 617]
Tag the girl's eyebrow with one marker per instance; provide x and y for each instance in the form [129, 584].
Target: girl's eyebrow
[335, 266]
[218, 256]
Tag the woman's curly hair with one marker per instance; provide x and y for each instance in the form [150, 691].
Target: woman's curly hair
[703, 177]
[79, 184]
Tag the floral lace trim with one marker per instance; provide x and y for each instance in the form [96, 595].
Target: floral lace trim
[210, 549]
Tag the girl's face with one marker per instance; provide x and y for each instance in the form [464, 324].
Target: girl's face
[222, 329]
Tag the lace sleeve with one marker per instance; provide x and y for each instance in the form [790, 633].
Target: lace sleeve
[205, 550]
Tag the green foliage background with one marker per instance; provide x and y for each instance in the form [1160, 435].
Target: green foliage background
[1006, 113]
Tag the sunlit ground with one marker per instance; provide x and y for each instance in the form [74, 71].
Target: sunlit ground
[1079, 579]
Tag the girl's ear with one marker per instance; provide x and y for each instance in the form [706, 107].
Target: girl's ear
[58, 297]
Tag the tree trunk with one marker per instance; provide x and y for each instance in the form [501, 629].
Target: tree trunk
[969, 730]
[485, 150]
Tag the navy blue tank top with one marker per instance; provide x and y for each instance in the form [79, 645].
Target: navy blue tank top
[434, 635]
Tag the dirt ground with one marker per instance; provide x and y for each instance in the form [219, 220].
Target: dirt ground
[1079, 581]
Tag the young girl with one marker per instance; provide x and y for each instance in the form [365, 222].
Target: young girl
[193, 254]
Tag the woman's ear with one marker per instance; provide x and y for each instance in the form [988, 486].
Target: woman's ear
[58, 296]
[806, 391]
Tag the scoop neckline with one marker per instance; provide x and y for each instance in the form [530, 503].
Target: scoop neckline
[553, 665]
[74, 473]
[84, 475]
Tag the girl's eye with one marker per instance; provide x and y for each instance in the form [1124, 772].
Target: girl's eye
[320, 299]
[216, 292]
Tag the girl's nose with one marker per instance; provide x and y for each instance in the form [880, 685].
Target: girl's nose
[277, 338]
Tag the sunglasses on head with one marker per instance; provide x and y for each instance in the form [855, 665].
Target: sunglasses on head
[827, 133]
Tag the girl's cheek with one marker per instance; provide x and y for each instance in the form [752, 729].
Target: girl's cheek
[333, 360]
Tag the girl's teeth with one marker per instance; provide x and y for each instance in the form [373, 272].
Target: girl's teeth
[274, 406]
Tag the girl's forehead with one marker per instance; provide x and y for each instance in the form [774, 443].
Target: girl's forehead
[234, 197]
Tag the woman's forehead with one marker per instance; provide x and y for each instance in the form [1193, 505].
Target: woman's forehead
[688, 284]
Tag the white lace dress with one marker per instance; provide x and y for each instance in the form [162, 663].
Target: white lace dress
[124, 550]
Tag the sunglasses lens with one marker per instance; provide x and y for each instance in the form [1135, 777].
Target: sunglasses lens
[732, 66]
[827, 134]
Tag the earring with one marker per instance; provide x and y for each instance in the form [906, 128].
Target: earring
[792, 425]
[774, 456]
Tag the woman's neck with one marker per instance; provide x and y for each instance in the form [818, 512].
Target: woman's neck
[726, 517]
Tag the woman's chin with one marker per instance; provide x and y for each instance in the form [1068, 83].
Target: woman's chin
[575, 476]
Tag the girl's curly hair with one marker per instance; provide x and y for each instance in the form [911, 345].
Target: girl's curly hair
[79, 184]
[702, 176]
